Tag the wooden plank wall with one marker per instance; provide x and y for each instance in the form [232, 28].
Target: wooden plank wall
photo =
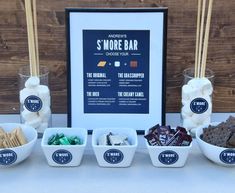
[181, 43]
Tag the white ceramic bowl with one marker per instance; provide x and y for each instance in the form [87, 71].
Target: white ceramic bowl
[219, 155]
[64, 155]
[168, 156]
[15, 155]
[114, 156]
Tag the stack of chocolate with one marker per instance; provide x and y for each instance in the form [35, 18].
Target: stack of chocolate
[165, 136]
[222, 135]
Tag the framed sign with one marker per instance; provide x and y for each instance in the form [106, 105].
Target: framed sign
[116, 67]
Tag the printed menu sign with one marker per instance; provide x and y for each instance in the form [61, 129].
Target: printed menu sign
[116, 71]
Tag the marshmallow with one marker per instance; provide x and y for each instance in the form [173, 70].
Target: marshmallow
[207, 87]
[202, 84]
[27, 115]
[189, 93]
[32, 82]
[24, 93]
[43, 91]
[186, 90]
[34, 122]
[189, 124]
[45, 114]
[199, 118]
[195, 83]
[186, 111]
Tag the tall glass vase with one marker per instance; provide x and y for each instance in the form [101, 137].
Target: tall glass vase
[196, 99]
[35, 98]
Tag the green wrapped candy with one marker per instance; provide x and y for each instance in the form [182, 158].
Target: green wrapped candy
[61, 139]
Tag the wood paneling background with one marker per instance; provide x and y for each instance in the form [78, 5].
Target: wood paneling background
[181, 43]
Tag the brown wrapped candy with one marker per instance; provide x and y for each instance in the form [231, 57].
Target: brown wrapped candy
[165, 136]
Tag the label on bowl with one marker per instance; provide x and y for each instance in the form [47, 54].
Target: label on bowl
[62, 156]
[33, 103]
[168, 157]
[199, 105]
[7, 157]
[228, 156]
[113, 156]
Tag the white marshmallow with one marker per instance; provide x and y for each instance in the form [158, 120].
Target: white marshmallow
[24, 93]
[199, 118]
[45, 114]
[202, 84]
[207, 88]
[32, 82]
[186, 91]
[43, 91]
[189, 124]
[46, 102]
[28, 116]
[195, 83]
[186, 110]
[190, 93]
[34, 122]
[42, 127]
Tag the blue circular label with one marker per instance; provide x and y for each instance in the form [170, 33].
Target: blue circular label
[228, 156]
[168, 157]
[62, 156]
[7, 157]
[33, 103]
[113, 156]
[199, 105]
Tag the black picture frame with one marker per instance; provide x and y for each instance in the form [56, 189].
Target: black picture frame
[68, 12]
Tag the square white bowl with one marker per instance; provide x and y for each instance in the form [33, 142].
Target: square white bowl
[168, 156]
[14, 155]
[114, 156]
[64, 155]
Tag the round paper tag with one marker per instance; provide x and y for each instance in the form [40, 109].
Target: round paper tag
[113, 156]
[33, 103]
[62, 156]
[168, 157]
[228, 156]
[7, 157]
[199, 105]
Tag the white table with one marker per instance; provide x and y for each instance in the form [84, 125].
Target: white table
[199, 175]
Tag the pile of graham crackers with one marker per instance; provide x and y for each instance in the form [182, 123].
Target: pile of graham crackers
[14, 138]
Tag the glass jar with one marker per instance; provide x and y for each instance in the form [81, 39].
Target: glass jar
[196, 98]
[35, 98]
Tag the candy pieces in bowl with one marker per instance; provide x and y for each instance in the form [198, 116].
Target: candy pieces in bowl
[168, 147]
[64, 146]
[114, 147]
[16, 143]
[217, 142]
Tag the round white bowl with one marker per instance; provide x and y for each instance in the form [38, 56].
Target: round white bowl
[15, 155]
[220, 155]
[64, 155]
